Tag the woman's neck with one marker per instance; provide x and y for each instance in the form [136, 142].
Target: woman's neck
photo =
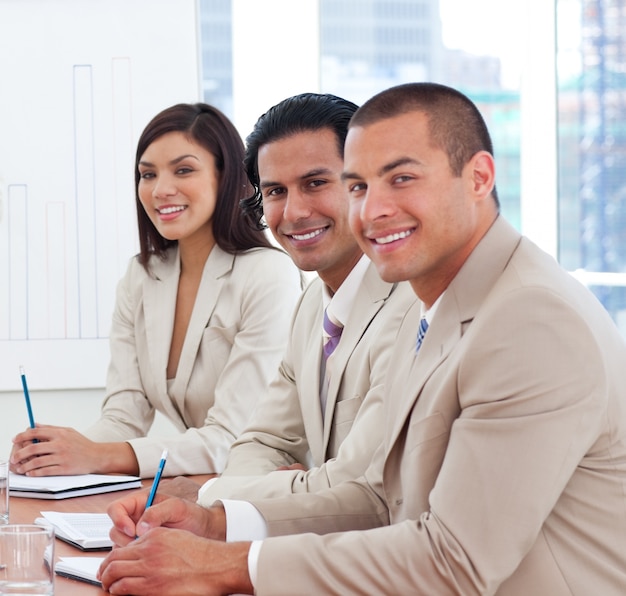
[193, 255]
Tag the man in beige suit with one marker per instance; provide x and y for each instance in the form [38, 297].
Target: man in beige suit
[503, 468]
[319, 422]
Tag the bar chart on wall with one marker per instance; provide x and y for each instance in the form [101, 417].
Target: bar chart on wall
[79, 79]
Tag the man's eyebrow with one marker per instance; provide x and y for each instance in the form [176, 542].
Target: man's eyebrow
[401, 161]
[268, 183]
[321, 171]
[349, 176]
[305, 176]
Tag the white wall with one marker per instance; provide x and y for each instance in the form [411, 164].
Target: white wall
[101, 77]
[80, 80]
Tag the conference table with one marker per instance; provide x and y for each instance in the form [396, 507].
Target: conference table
[25, 510]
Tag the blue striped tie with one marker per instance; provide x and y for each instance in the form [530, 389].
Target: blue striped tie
[421, 333]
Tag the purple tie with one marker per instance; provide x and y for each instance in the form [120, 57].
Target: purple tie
[334, 335]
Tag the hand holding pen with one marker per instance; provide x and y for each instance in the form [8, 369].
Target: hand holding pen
[155, 482]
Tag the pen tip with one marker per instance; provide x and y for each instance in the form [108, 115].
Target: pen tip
[164, 454]
[21, 370]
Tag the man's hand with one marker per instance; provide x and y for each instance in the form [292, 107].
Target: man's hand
[181, 487]
[173, 562]
[131, 519]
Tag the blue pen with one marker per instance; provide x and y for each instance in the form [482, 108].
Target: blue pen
[31, 419]
[157, 479]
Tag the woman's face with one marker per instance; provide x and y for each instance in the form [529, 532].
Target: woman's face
[178, 184]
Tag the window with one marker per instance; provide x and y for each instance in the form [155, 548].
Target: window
[559, 139]
[591, 79]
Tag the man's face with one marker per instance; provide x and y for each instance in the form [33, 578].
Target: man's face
[410, 214]
[306, 205]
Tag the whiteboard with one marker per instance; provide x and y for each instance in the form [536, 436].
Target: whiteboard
[79, 80]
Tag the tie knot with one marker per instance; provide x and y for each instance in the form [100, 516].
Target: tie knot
[421, 332]
[331, 329]
[332, 333]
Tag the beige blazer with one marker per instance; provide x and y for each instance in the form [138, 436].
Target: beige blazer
[503, 469]
[236, 336]
[288, 425]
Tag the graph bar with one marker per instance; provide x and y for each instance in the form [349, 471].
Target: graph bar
[56, 273]
[86, 232]
[18, 261]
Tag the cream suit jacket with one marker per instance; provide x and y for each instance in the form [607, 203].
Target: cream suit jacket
[503, 469]
[288, 425]
[234, 342]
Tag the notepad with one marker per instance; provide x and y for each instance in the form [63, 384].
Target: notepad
[86, 531]
[81, 568]
[63, 487]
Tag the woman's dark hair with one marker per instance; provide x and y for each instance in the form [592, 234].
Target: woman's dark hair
[208, 127]
[300, 113]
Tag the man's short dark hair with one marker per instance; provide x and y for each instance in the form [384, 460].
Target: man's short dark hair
[300, 113]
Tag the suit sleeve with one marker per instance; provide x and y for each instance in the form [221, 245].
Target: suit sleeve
[275, 435]
[532, 397]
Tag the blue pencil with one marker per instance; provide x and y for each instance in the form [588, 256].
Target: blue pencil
[157, 479]
[31, 419]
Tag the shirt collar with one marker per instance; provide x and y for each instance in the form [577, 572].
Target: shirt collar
[430, 313]
[340, 304]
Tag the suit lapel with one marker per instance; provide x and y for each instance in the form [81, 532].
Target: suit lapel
[310, 388]
[459, 305]
[407, 381]
[369, 300]
[159, 298]
[215, 273]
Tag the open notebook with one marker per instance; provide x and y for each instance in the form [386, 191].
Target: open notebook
[81, 568]
[86, 531]
[62, 487]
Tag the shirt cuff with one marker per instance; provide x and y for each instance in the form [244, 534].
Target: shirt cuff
[253, 561]
[244, 522]
[205, 487]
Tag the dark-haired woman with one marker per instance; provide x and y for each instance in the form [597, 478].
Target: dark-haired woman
[201, 316]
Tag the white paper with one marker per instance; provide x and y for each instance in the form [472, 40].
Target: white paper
[62, 483]
[84, 568]
[84, 530]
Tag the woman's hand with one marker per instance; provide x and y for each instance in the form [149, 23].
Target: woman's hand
[62, 451]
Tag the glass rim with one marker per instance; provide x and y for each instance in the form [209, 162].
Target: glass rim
[25, 529]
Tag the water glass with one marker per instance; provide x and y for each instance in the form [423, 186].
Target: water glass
[4, 492]
[26, 560]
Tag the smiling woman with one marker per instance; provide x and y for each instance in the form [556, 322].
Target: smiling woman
[201, 316]
[178, 184]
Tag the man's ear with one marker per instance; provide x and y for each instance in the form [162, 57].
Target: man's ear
[483, 170]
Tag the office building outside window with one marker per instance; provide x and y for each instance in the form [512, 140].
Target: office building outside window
[369, 45]
[592, 147]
